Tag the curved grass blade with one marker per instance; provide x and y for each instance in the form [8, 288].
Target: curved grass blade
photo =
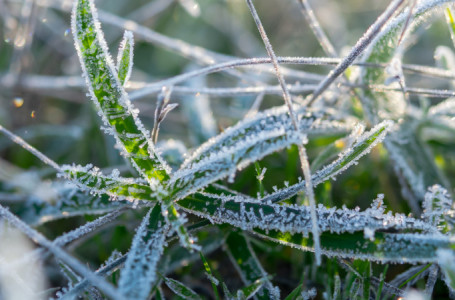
[112, 101]
[225, 163]
[245, 143]
[311, 123]
[125, 57]
[348, 158]
[248, 265]
[180, 289]
[139, 274]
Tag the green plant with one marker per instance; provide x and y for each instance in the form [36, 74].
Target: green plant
[352, 241]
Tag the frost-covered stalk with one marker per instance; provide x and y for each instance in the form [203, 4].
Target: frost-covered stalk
[358, 48]
[302, 152]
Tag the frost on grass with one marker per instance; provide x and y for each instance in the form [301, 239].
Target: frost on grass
[125, 57]
[115, 108]
[439, 208]
[311, 123]
[363, 143]
[139, 273]
[245, 143]
[91, 179]
[106, 90]
[180, 289]
[247, 215]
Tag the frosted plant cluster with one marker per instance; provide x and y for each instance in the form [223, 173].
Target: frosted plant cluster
[188, 200]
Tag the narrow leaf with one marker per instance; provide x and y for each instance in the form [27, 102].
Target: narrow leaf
[125, 57]
[348, 158]
[244, 144]
[248, 265]
[119, 188]
[139, 274]
[386, 247]
[106, 90]
[180, 289]
[247, 215]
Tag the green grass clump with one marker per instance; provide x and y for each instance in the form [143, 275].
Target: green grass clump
[341, 191]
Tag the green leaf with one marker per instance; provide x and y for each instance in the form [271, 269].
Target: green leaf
[140, 271]
[386, 247]
[119, 188]
[451, 22]
[243, 256]
[180, 289]
[212, 279]
[125, 57]
[106, 90]
[115, 108]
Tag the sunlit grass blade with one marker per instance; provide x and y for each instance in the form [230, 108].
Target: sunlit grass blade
[106, 90]
[212, 278]
[243, 256]
[451, 22]
[114, 106]
[125, 57]
[140, 271]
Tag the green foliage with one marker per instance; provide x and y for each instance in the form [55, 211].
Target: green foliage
[238, 198]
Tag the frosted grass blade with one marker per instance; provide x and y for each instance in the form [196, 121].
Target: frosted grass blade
[311, 123]
[115, 108]
[70, 202]
[362, 145]
[106, 90]
[180, 289]
[247, 215]
[125, 57]
[118, 188]
[139, 273]
[245, 143]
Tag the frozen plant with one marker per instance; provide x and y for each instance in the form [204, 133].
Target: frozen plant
[179, 205]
